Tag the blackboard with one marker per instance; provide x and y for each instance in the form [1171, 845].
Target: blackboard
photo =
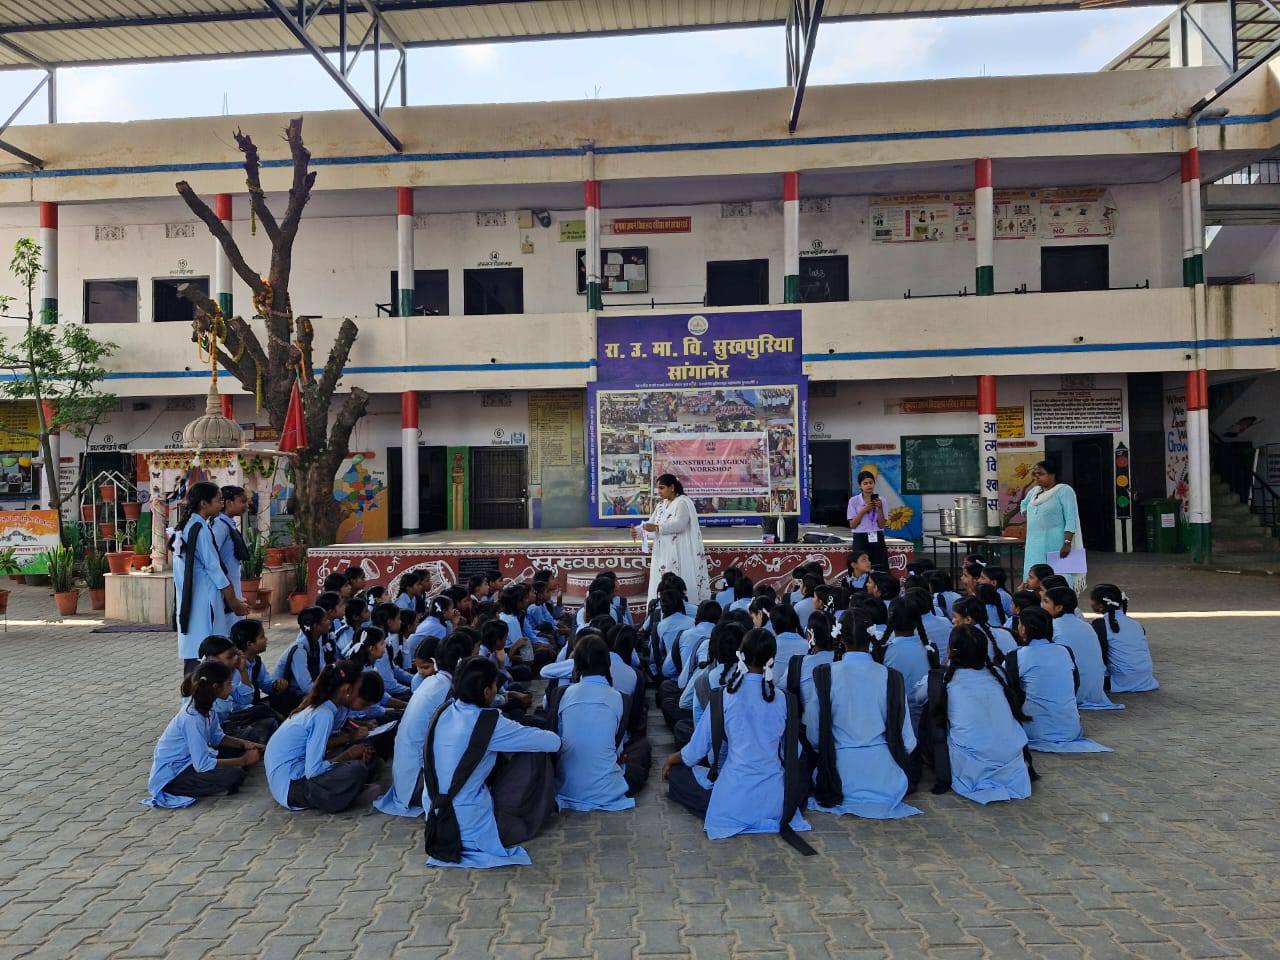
[940, 464]
[469, 567]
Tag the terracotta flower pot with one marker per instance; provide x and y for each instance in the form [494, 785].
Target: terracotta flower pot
[107, 492]
[249, 590]
[67, 602]
[4, 601]
[87, 511]
[98, 599]
[275, 557]
[118, 563]
[132, 509]
[20, 579]
[298, 603]
[140, 560]
[107, 531]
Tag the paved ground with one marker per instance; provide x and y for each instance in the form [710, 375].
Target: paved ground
[1166, 848]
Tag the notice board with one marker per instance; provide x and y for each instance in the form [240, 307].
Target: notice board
[940, 464]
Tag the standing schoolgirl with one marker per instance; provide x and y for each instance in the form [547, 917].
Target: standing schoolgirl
[1124, 642]
[1044, 673]
[232, 551]
[451, 740]
[1074, 632]
[299, 775]
[857, 720]
[973, 726]
[411, 732]
[596, 771]
[745, 788]
[187, 763]
[202, 591]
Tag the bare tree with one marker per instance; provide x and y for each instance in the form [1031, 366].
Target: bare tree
[270, 370]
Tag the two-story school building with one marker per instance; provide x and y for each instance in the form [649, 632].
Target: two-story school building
[1022, 251]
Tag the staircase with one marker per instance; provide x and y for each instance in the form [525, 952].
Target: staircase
[1236, 529]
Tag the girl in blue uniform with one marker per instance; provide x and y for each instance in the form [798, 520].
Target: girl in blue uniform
[1123, 641]
[904, 649]
[883, 586]
[448, 737]
[674, 622]
[203, 593]
[972, 612]
[747, 791]
[411, 586]
[411, 732]
[976, 742]
[1035, 577]
[824, 647]
[944, 594]
[787, 632]
[991, 599]
[387, 617]
[300, 776]
[864, 743]
[369, 650]
[303, 659]
[726, 596]
[1072, 631]
[596, 770]
[1044, 674]
[191, 758]
[857, 568]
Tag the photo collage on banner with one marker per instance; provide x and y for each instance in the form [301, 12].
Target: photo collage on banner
[718, 400]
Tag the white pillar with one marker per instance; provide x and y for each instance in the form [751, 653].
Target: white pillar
[49, 260]
[409, 461]
[404, 249]
[221, 263]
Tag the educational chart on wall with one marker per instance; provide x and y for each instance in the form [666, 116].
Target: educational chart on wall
[717, 400]
[1048, 214]
[1077, 411]
[1177, 472]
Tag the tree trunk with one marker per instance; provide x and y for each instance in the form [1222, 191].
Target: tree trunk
[314, 508]
[51, 477]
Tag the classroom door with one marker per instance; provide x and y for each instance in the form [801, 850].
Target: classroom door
[432, 490]
[733, 283]
[493, 290]
[829, 468]
[499, 488]
[1087, 463]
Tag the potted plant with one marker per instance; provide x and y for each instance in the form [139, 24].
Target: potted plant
[62, 576]
[107, 531]
[299, 596]
[142, 550]
[275, 552]
[251, 567]
[95, 571]
[9, 566]
[132, 509]
[119, 561]
[107, 492]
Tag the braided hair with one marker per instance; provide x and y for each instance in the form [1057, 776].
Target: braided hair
[969, 652]
[990, 597]
[821, 636]
[202, 684]
[331, 679]
[1112, 598]
[759, 647]
[975, 611]
[940, 585]
[362, 647]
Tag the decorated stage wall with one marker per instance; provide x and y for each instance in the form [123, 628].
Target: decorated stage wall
[717, 400]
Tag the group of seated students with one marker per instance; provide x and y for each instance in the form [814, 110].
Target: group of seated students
[830, 697]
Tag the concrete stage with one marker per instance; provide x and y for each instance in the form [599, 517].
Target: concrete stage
[578, 554]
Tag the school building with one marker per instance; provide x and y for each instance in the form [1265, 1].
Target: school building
[1024, 251]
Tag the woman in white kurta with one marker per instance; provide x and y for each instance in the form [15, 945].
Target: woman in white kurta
[1053, 521]
[677, 541]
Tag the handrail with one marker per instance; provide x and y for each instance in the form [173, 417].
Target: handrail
[1246, 483]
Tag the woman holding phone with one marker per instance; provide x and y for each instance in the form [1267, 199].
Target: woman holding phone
[866, 520]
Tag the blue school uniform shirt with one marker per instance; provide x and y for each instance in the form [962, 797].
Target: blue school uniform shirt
[1045, 670]
[747, 796]
[695, 641]
[190, 740]
[1128, 656]
[622, 673]
[481, 845]
[804, 610]
[406, 603]
[295, 656]
[241, 697]
[984, 741]
[537, 616]
[944, 602]
[296, 750]
[907, 655]
[411, 735]
[938, 630]
[669, 628]
[1006, 601]
[856, 583]
[789, 645]
[673, 630]
[1079, 636]
[221, 527]
[588, 776]
[807, 666]
[208, 582]
[430, 627]
[514, 633]
[395, 682]
[717, 674]
[742, 604]
[724, 598]
[343, 637]
[874, 785]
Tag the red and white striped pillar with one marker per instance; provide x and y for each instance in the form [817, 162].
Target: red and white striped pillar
[990, 450]
[791, 237]
[591, 198]
[49, 260]
[404, 269]
[409, 460]
[1192, 222]
[221, 263]
[984, 222]
[1200, 512]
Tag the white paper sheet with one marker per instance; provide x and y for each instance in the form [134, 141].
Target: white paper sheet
[391, 725]
[1073, 562]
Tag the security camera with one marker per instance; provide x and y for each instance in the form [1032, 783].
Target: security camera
[543, 216]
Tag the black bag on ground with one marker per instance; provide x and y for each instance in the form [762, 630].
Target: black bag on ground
[523, 786]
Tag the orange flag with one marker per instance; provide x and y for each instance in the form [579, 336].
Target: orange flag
[294, 435]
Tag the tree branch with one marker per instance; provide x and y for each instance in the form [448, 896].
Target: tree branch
[257, 198]
[252, 359]
[299, 194]
[338, 443]
[222, 235]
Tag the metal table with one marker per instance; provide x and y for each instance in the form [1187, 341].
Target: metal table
[987, 545]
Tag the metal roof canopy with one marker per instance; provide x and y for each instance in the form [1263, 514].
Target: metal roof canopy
[64, 33]
[1256, 25]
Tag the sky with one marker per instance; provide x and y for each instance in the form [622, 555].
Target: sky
[606, 67]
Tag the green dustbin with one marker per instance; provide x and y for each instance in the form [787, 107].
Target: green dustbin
[1164, 517]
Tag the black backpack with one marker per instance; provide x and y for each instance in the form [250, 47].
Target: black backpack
[553, 712]
[794, 790]
[828, 789]
[443, 835]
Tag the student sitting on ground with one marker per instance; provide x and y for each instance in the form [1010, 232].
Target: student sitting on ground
[972, 612]
[824, 647]
[903, 647]
[749, 740]
[1035, 577]
[972, 731]
[858, 724]
[193, 757]
[369, 650]
[462, 746]
[303, 659]
[808, 599]
[726, 596]
[1072, 631]
[787, 630]
[389, 618]
[944, 594]
[681, 661]
[599, 768]
[251, 640]
[1044, 674]
[355, 614]
[239, 715]
[1124, 642]
[299, 772]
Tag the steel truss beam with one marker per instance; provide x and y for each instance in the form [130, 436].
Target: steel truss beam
[802, 33]
[299, 20]
[18, 152]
